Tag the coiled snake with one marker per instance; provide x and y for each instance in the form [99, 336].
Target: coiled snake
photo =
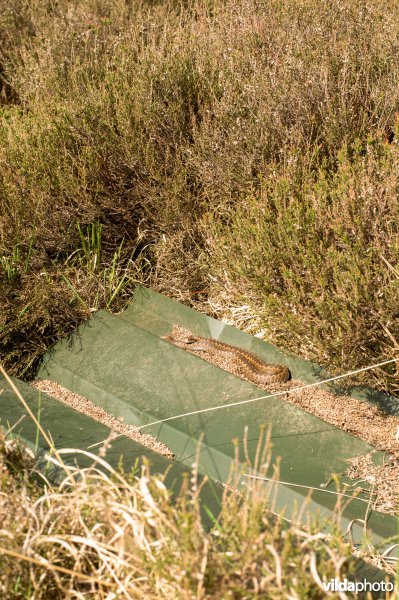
[249, 365]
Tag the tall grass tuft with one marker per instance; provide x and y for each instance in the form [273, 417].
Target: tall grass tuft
[102, 533]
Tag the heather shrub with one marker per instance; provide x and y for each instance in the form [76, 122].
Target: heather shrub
[244, 151]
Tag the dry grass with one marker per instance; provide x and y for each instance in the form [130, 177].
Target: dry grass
[105, 534]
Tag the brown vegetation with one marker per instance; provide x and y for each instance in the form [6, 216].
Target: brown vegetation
[105, 534]
[233, 153]
[228, 153]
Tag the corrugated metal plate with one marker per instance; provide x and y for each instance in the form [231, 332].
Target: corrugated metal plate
[121, 364]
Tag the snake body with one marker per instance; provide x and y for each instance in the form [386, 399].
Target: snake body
[250, 365]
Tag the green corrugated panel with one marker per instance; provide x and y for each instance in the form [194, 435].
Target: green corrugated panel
[71, 429]
[155, 313]
[121, 364]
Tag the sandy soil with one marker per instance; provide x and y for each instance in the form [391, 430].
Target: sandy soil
[382, 480]
[95, 412]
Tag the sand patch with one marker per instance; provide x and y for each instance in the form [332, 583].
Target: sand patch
[99, 414]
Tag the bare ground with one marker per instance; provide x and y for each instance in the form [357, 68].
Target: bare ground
[99, 414]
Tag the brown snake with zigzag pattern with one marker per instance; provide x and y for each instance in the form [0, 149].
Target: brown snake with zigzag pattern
[252, 367]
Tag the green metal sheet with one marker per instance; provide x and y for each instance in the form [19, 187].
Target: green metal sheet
[121, 364]
[71, 429]
[155, 313]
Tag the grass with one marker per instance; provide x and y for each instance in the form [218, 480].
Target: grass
[103, 533]
[228, 154]
[245, 151]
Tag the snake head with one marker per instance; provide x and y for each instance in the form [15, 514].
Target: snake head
[182, 335]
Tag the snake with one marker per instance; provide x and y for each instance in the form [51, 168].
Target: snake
[251, 366]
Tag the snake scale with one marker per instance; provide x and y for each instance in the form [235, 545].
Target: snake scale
[250, 365]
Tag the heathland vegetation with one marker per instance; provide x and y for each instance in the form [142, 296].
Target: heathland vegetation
[237, 155]
[227, 153]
